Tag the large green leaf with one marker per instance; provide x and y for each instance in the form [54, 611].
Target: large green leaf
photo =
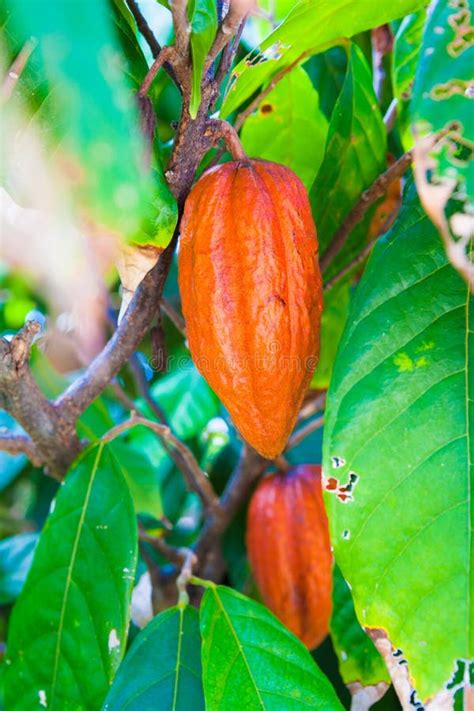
[69, 627]
[406, 51]
[355, 155]
[289, 127]
[250, 661]
[203, 19]
[398, 452]
[360, 664]
[309, 28]
[162, 670]
[85, 105]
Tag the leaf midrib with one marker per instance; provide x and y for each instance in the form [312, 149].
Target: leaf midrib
[238, 644]
[69, 574]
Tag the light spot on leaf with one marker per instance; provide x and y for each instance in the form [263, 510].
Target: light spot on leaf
[114, 641]
[42, 698]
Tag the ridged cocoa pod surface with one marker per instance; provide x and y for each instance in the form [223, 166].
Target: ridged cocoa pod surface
[252, 295]
[290, 553]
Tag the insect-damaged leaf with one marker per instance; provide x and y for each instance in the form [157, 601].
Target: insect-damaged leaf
[398, 453]
[309, 28]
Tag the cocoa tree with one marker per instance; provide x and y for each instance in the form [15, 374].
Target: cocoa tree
[133, 439]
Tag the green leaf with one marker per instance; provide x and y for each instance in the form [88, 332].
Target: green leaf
[203, 18]
[355, 155]
[250, 661]
[288, 127]
[69, 626]
[89, 109]
[187, 400]
[162, 670]
[334, 317]
[327, 71]
[443, 90]
[309, 28]
[398, 451]
[16, 554]
[142, 478]
[406, 51]
[359, 661]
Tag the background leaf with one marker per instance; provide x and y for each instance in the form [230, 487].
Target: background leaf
[333, 320]
[251, 661]
[406, 51]
[203, 18]
[289, 127]
[443, 89]
[162, 670]
[69, 627]
[398, 455]
[310, 26]
[354, 157]
[100, 140]
[327, 71]
[359, 661]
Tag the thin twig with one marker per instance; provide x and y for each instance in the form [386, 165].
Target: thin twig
[144, 28]
[382, 43]
[176, 319]
[143, 389]
[304, 432]
[165, 55]
[16, 69]
[237, 13]
[228, 55]
[20, 444]
[366, 200]
[171, 553]
[313, 405]
[196, 479]
[391, 115]
[348, 268]
[250, 468]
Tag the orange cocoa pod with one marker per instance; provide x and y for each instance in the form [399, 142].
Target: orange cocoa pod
[290, 553]
[251, 294]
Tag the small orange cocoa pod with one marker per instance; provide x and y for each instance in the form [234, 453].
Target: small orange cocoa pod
[289, 551]
[252, 295]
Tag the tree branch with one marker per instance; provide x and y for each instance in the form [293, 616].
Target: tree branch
[123, 343]
[20, 444]
[55, 439]
[250, 468]
[366, 200]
